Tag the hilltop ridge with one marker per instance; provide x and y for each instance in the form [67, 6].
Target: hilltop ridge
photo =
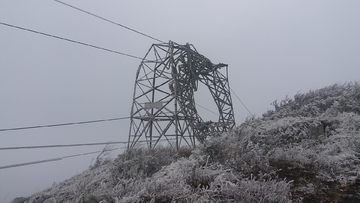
[306, 150]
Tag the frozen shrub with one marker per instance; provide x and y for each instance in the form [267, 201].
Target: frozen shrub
[142, 163]
[91, 183]
[249, 190]
[342, 98]
[306, 150]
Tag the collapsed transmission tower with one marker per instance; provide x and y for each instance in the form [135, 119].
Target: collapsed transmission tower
[164, 108]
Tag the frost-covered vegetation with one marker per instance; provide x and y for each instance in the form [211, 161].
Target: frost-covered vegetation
[306, 150]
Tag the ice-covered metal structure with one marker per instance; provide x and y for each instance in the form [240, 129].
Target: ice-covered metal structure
[163, 106]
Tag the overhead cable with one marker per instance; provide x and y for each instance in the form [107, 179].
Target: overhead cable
[138, 32]
[70, 40]
[241, 102]
[206, 109]
[63, 124]
[29, 163]
[54, 159]
[65, 145]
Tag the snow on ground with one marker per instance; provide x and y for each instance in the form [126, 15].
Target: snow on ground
[307, 149]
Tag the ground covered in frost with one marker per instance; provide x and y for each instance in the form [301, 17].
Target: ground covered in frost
[306, 150]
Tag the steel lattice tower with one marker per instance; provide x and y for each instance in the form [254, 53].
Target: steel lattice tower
[164, 108]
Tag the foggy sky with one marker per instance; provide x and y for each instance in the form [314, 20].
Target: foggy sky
[273, 49]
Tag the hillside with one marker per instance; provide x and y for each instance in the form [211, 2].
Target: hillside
[306, 150]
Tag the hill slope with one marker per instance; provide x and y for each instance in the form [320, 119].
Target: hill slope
[306, 150]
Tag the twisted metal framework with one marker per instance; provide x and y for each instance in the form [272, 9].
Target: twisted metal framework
[163, 107]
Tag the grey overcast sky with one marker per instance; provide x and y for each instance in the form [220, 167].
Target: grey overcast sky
[273, 49]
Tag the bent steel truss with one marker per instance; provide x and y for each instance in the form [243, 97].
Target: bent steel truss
[164, 107]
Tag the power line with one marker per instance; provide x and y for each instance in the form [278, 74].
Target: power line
[54, 159]
[67, 145]
[241, 102]
[138, 32]
[63, 124]
[70, 40]
[29, 163]
[55, 146]
[206, 109]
